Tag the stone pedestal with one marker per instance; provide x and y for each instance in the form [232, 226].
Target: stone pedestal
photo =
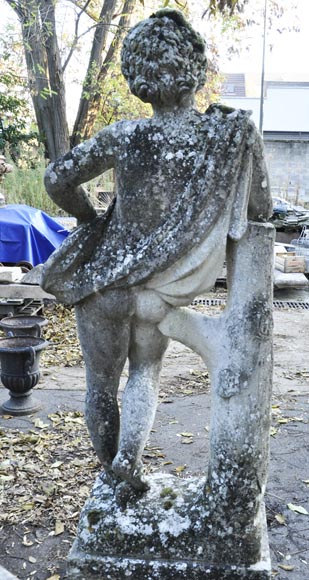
[212, 528]
[169, 533]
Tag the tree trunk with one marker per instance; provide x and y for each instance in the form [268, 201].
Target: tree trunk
[94, 65]
[37, 18]
[56, 130]
[93, 90]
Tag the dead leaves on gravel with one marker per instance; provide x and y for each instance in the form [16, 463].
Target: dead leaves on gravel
[46, 473]
[61, 333]
[279, 419]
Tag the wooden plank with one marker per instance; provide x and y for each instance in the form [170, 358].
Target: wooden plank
[10, 274]
[23, 291]
[295, 280]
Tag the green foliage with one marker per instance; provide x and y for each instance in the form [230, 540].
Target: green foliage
[226, 7]
[47, 93]
[25, 185]
[15, 114]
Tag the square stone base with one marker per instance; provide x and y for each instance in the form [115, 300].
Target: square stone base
[86, 567]
[166, 534]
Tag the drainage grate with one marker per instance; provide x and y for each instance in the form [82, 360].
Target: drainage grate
[295, 305]
[209, 302]
[277, 304]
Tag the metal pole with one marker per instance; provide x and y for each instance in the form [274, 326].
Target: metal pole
[263, 72]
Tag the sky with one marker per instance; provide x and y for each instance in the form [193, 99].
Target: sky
[288, 52]
[285, 53]
[286, 60]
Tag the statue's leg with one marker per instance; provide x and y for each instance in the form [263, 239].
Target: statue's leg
[139, 402]
[104, 329]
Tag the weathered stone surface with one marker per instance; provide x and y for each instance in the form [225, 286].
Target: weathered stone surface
[186, 181]
[165, 533]
[181, 529]
[187, 184]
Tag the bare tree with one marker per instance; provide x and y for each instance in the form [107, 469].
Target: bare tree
[45, 69]
[99, 62]
[37, 18]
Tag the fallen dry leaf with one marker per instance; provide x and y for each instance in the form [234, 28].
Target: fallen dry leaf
[286, 567]
[27, 542]
[59, 528]
[42, 466]
[280, 519]
[298, 509]
[61, 333]
[37, 422]
[180, 468]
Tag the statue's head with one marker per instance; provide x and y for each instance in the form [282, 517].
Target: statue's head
[163, 59]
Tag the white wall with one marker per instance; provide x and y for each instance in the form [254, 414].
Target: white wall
[285, 108]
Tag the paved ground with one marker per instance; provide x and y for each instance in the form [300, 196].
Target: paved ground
[185, 406]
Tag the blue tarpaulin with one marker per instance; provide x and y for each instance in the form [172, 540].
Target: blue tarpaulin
[28, 234]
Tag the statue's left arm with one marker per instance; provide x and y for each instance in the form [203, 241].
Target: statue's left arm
[260, 201]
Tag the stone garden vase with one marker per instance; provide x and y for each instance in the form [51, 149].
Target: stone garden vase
[19, 358]
[21, 325]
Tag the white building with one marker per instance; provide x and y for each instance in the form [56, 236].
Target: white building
[285, 131]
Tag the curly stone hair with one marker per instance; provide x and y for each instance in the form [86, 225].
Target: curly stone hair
[163, 59]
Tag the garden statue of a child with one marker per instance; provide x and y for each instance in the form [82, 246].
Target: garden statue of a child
[185, 182]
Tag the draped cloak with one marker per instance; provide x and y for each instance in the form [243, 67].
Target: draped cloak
[189, 243]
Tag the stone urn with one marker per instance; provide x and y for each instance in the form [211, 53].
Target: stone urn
[21, 325]
[19, 358]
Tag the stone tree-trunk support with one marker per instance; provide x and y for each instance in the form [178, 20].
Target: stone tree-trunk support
[193, 529]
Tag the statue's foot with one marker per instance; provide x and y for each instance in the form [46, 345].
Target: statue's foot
[125, 493]
[125, 470]
[110, 478]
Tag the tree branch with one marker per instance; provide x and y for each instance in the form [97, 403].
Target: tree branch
[76, 35]
[114, 46]
[84, 9]
[17, 7]
[94, 66]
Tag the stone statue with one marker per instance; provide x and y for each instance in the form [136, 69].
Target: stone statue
[185, 181]
[191, 188]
